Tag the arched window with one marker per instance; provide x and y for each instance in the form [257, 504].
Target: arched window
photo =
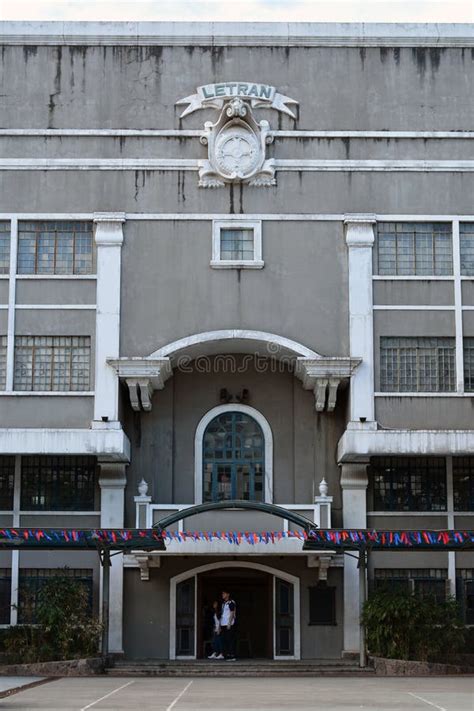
[233, 450]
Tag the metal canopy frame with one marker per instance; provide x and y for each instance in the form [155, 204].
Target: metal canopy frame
[355, 543]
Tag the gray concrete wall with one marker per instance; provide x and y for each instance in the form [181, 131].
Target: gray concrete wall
[400, 88]
[146, 625]
[304, 441]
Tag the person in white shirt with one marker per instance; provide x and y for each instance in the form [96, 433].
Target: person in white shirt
[228, 620]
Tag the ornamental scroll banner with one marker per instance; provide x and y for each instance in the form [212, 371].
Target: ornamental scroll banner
[215, 95]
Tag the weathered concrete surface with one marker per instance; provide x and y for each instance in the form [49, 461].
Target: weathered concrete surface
[378, 694]
[401, 667]
[70, 667]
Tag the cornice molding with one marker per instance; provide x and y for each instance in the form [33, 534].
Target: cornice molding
[234, 34]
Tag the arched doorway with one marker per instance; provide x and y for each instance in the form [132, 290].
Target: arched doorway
[268, 609]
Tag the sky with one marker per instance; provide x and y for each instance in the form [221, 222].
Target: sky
[242, 10]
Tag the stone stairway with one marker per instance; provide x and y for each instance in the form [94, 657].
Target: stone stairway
[240, 668]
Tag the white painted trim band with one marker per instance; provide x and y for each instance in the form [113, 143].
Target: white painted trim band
[281, 164]
[197, 133]
[238, 34]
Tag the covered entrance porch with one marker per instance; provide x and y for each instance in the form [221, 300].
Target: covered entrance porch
[268, 610]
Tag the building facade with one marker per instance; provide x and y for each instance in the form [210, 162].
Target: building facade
[236, 262]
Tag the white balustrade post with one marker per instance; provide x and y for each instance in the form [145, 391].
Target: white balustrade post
[109, 240]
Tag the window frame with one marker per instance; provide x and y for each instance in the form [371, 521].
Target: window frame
[399, 473]
[55, 252]
[218, 263]
[413, 262]
[418, 351]
[330, 591]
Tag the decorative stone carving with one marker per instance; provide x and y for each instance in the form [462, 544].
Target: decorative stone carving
[323, 487]
[324, 376]
[143, 376]
[236, 148]
[143, 488]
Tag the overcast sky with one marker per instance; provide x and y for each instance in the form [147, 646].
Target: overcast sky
[242, 10]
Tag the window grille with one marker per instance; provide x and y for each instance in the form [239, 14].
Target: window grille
[58, 483]
[425, 582]
[55, 248]
[466, 239]
[468, 344]
[408, 483]
[237, 244]
[463, 483]
[4, 247]
[5, 595]
[417, 364]
[7, 478]
[233, 458]
[322, 605]
[31, 580]
[414, 248]
[56, 363]
[3, 362]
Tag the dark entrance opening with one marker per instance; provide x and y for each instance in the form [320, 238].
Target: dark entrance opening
[252, 591]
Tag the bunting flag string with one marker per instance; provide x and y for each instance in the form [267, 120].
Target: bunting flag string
[314, 539]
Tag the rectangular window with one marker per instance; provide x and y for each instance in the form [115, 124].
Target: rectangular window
[55, 248]
[463, 483]
[465, 594]
[466, 238]
[237, 244]
[468, 347]
[52, 363]
[5, 595]
[408, 483]
[414, 249]
[322, 605]
[7, 477]
[425, 582]
[3, 362]
[4, 247]
[417, 364]
[31, 580]
[58, 483]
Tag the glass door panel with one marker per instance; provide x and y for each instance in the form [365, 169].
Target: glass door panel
[185, 607]
[284, 619]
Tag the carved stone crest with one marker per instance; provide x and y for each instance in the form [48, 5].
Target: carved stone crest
[236, 148]
[237, 142]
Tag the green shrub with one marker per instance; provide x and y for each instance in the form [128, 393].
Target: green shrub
[63, 628]
[403, 626]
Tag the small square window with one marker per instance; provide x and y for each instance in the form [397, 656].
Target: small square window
[236, 245]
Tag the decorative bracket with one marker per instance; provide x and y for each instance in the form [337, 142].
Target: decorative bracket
[145, 562]
[143, 376]
[323, 376]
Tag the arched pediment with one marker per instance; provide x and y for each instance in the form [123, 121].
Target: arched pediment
[321, 374]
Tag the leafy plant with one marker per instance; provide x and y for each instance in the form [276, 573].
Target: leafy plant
[400, 625]
[61, 625]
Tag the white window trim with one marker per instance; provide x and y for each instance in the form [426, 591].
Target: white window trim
[198, 444]
[255, 263]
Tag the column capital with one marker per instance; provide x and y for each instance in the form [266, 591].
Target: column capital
[109, 231]
[354, 475]
[112, 476]
[359, 230]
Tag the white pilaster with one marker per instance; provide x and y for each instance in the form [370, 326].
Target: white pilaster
[354, 483]
[109, 240]
[360, 240]
[112, 481]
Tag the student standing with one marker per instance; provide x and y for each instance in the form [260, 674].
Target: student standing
[216, 632]
[228, 619]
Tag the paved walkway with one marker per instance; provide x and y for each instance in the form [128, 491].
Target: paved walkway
[214, 694]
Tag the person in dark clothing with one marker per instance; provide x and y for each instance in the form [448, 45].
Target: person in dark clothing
[216, 632]
[228, 620]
